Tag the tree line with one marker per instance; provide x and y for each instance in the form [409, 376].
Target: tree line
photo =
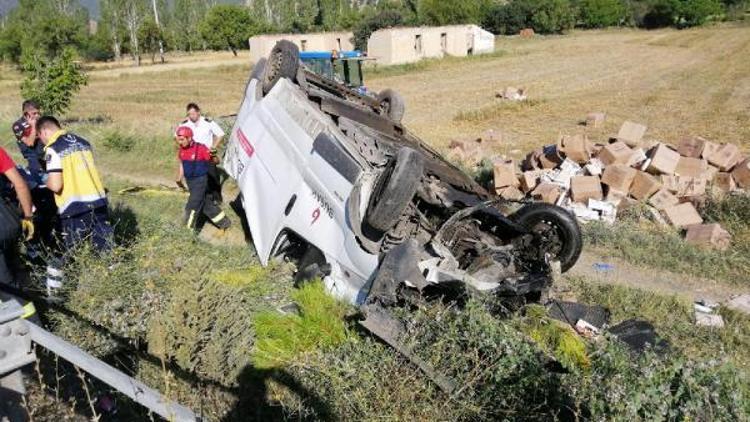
[149, 27]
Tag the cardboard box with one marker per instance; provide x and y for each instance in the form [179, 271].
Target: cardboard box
[615, 153]
[546, 192]
[663, 199]
[683, 215]
[530, 179]
[637, 158]
[725, 182]
[510, 193]
[631, 133]
[708, 149]
[492, 136]
[691, 167]
[505, 174]
[691, 147]
[550, 157]
[663, 160]
[644, 186]
[725, 157]
[709, 235]
[574, 148]
[619, 177]
[741, 174]
[596, 119]
[691, 187]
[583, 188]
[710, 173]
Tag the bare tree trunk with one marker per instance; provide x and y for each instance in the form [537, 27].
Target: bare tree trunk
[161, 44]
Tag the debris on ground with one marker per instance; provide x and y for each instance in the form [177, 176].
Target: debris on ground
[512, 93]
[639, 336]
[740, 304]
[596, 181]
[582, 317]
[706, 315]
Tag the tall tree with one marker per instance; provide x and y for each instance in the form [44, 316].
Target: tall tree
[113, 16]
[228, 26]
[135, 11]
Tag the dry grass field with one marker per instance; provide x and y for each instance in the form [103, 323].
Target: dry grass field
[677, 82]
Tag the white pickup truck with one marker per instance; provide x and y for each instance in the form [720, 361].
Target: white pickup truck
[329, 177]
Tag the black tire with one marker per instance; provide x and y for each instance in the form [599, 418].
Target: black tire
[557, 229]
[395, 189]
[283, 62]
[392, 105]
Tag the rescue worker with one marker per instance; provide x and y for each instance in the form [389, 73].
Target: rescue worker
[79, 193]
[210, 134]
[10, 228]
[33, 151]
[195, 161]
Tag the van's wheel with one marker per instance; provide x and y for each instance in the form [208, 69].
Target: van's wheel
[395, 189]
[283, 62]
[556, 229]
[392, 104]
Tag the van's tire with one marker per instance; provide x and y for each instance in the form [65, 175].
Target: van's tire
[557, 230]
[283, 62]
[392, 105]
[395, 189]
[258, 69]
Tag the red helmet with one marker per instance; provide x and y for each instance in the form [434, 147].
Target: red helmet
[185, 132]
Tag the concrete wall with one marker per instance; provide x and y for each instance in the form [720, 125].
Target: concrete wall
[261, 45]
[409, 45]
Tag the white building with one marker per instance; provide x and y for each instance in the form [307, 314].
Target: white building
[407, 45]
[261, 45]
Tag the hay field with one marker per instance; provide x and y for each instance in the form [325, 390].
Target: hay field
[678, 82]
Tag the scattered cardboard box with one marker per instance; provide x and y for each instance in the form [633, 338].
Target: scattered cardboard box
[740, 304]
[594, 167]
[505, 174]
[550, 157]
[637, 158]
[574, 148]
[709, 235]
[725, 157]
[710, 173]
[546, 192]
[691, 167]
[619, 177]
[683, 215]
[583, 188]
[529, 179]
[512, 93]
[708, 149]
[741, 174]
[510, 193]
[615, 153]
[595, 119]
[644, 186]
[725, 182]
[663, 160]
[631, 133]
[662, 199]
[691, 147]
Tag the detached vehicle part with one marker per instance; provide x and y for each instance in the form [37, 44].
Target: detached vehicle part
[328, 173]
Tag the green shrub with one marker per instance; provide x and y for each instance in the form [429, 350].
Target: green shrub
[51, 82]
[661, 13]
[601, 13]
[365, 28]
[282, 338]
[118, 142]
[544, 16]
[450, 12]
[697, 12]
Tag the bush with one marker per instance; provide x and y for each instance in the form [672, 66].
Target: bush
[601, 13]
[51, 83]
[544, 16]
[118, 142]
[662, 13]
[697, 12]
[450, 12]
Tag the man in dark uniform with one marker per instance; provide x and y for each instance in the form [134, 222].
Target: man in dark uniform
[32, 150]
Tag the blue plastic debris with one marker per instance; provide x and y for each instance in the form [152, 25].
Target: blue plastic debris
[603, 267]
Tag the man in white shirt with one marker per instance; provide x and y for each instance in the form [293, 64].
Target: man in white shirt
[209, 133]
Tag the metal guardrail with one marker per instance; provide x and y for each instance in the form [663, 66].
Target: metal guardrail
[17, 336]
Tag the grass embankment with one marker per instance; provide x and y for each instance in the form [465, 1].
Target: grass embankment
[198, 321]
[646, 244]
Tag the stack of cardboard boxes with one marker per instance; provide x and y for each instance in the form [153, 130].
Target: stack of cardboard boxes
[594, 181]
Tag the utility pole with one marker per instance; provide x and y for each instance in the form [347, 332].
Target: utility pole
[156, 18]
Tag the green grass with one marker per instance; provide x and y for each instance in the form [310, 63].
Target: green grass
[283, 338]
[500, 108]
[646, 244]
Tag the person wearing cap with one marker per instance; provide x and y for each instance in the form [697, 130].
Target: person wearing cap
[195, 160]
[79, 193]
[207, 132]
[10, 228]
